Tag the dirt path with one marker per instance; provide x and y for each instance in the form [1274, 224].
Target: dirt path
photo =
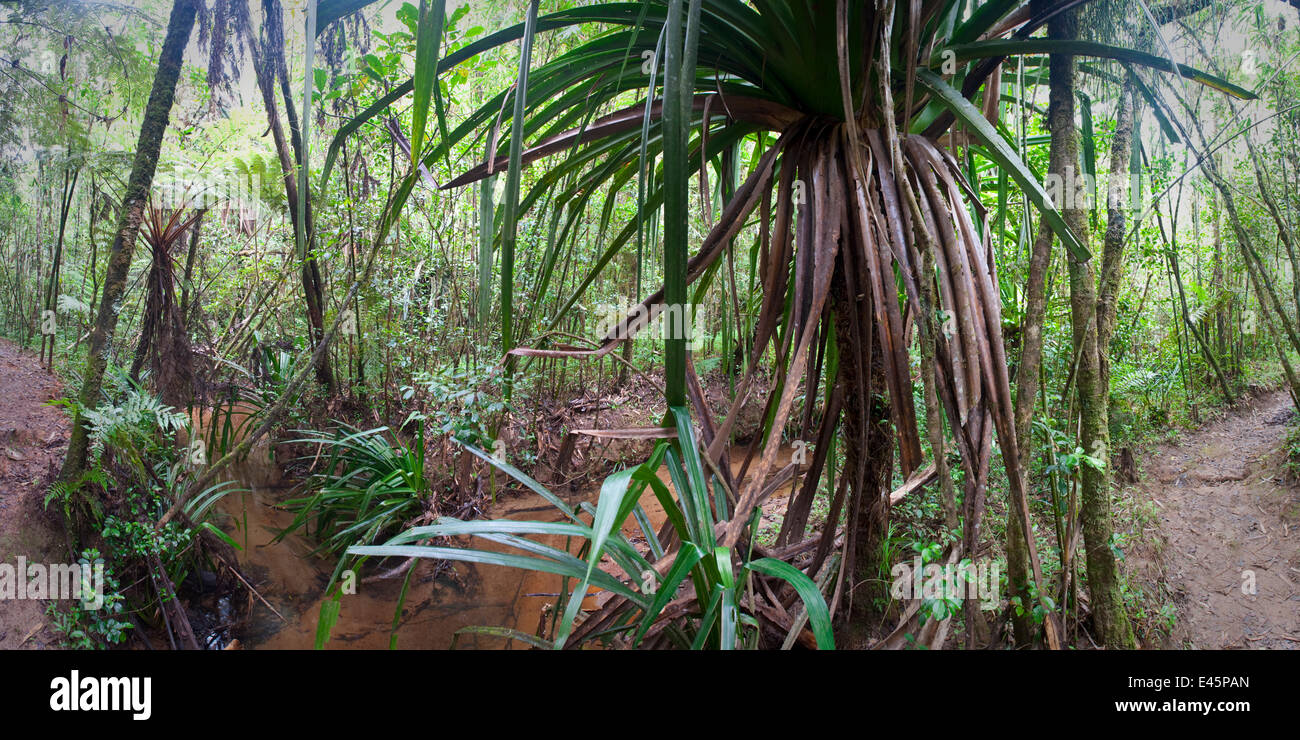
[1228, 517]
[33, 438]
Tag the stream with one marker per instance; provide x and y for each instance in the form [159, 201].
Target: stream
[439, 601]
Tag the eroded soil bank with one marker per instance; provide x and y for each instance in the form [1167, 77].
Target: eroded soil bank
[33, 439]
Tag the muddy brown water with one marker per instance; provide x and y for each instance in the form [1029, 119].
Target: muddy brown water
[439, 601]
[294, 580]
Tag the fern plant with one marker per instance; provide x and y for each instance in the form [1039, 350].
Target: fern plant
[134, 443]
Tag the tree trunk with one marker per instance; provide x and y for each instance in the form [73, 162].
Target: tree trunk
[187, 284]
[268, 66]
[134, 200]
[1031, 359]
[868, 448]
[1171, 254]
[56, 263]
[1112, 259]
[1110, 621]
[1220, 315]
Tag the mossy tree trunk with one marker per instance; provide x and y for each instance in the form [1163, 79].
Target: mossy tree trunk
[1027, 386]
[134, 201]
[1110, 620]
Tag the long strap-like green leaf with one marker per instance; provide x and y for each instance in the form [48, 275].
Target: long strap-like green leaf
[1002, 153]
[510, 209]
[676, 191]
[427, 45]
[1012, 47]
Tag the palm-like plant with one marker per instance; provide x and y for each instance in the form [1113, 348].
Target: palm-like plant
[868, 225]
[163, 339]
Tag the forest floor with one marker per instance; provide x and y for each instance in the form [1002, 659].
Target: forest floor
[33, 438]
[1214, 518]
[1221, 541]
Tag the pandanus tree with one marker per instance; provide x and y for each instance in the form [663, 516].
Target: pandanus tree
[870, 238]
[164, 341]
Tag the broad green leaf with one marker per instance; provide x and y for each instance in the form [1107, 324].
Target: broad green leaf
[818, 614]
[610, 504]
[510, 208]
[505, 632]
[686, 559]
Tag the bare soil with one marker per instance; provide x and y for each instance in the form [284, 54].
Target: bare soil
[1225, 546]
[1220, 541]
[33, 440]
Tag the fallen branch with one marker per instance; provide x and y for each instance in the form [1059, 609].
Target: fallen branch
[254, 591]
[919, 479]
